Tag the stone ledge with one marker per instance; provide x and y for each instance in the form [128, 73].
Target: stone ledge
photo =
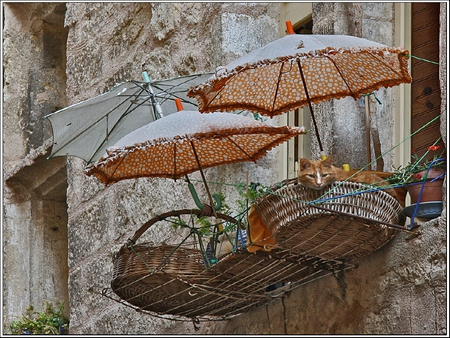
[46, 177]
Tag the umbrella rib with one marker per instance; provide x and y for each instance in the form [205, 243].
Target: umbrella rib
[352, 94]
[151, 96]
[174, 159]
[387, 66]
[91, 126]
[127, 112]
[171, 96]
[169, 89]
[342, 76]
[221, 88]
[280, 73]
[241, 149]
[115, 169]
[99, 120]
[88, 128]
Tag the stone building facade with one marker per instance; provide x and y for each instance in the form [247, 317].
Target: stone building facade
[61, 228]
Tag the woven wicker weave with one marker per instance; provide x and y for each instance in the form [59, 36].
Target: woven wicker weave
[149, 277]
[343, 224]
[182, 285]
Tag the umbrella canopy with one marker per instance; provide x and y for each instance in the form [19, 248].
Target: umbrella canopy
[297, 69]
[87, 128]
[281, 75]
[187, 141]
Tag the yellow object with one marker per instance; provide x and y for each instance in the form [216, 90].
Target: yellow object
[346, 167]
[259, 233]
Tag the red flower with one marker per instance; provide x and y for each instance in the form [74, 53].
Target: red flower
[417, 176]
[433, 148]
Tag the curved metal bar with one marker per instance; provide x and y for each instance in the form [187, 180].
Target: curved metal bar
[163, 216]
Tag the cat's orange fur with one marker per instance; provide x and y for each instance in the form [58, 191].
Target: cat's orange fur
[318, 174]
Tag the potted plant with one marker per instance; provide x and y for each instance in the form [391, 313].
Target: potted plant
[423, 179]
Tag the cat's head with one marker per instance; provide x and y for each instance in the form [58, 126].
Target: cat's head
[316, 174]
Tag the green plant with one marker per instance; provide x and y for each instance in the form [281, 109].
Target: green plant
[251, 193]
[411, 172]
[205, 226]
[47, 322]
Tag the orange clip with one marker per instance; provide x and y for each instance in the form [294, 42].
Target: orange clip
[290, 28]
[179, 104]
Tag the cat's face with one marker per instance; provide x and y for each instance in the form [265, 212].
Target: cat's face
[316, 174]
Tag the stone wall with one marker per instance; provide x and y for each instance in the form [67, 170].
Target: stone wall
[400, 289]
[34, 85]
[34, 224]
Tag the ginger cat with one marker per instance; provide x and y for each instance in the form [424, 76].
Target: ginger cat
[317, 174]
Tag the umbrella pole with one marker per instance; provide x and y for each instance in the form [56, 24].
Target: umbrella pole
[369, 152]
[204, 180]
[310, 106]
[157, 110]
[374, 135]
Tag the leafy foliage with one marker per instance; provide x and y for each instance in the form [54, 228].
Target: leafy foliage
[409, 173]
[203, 223]
[47, 322]
[252, 193]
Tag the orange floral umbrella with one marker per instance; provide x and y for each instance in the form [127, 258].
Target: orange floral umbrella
[297, 69]
[187, 141]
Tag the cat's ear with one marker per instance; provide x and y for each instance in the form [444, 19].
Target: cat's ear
[327, 162]
[304, 164]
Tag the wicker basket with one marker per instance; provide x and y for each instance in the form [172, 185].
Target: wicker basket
[172, 279]
[343, 223]
[181, 285]
[160, 279]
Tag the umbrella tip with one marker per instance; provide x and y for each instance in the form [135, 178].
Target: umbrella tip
[145, 76]
[179, 104]
[290, 28]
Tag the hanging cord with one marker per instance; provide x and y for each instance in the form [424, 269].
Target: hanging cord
[370, 94]
[426, 153]
[421, 59]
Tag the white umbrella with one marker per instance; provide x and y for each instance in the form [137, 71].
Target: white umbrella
[87, 128]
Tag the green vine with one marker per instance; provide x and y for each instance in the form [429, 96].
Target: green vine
[47, 322]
